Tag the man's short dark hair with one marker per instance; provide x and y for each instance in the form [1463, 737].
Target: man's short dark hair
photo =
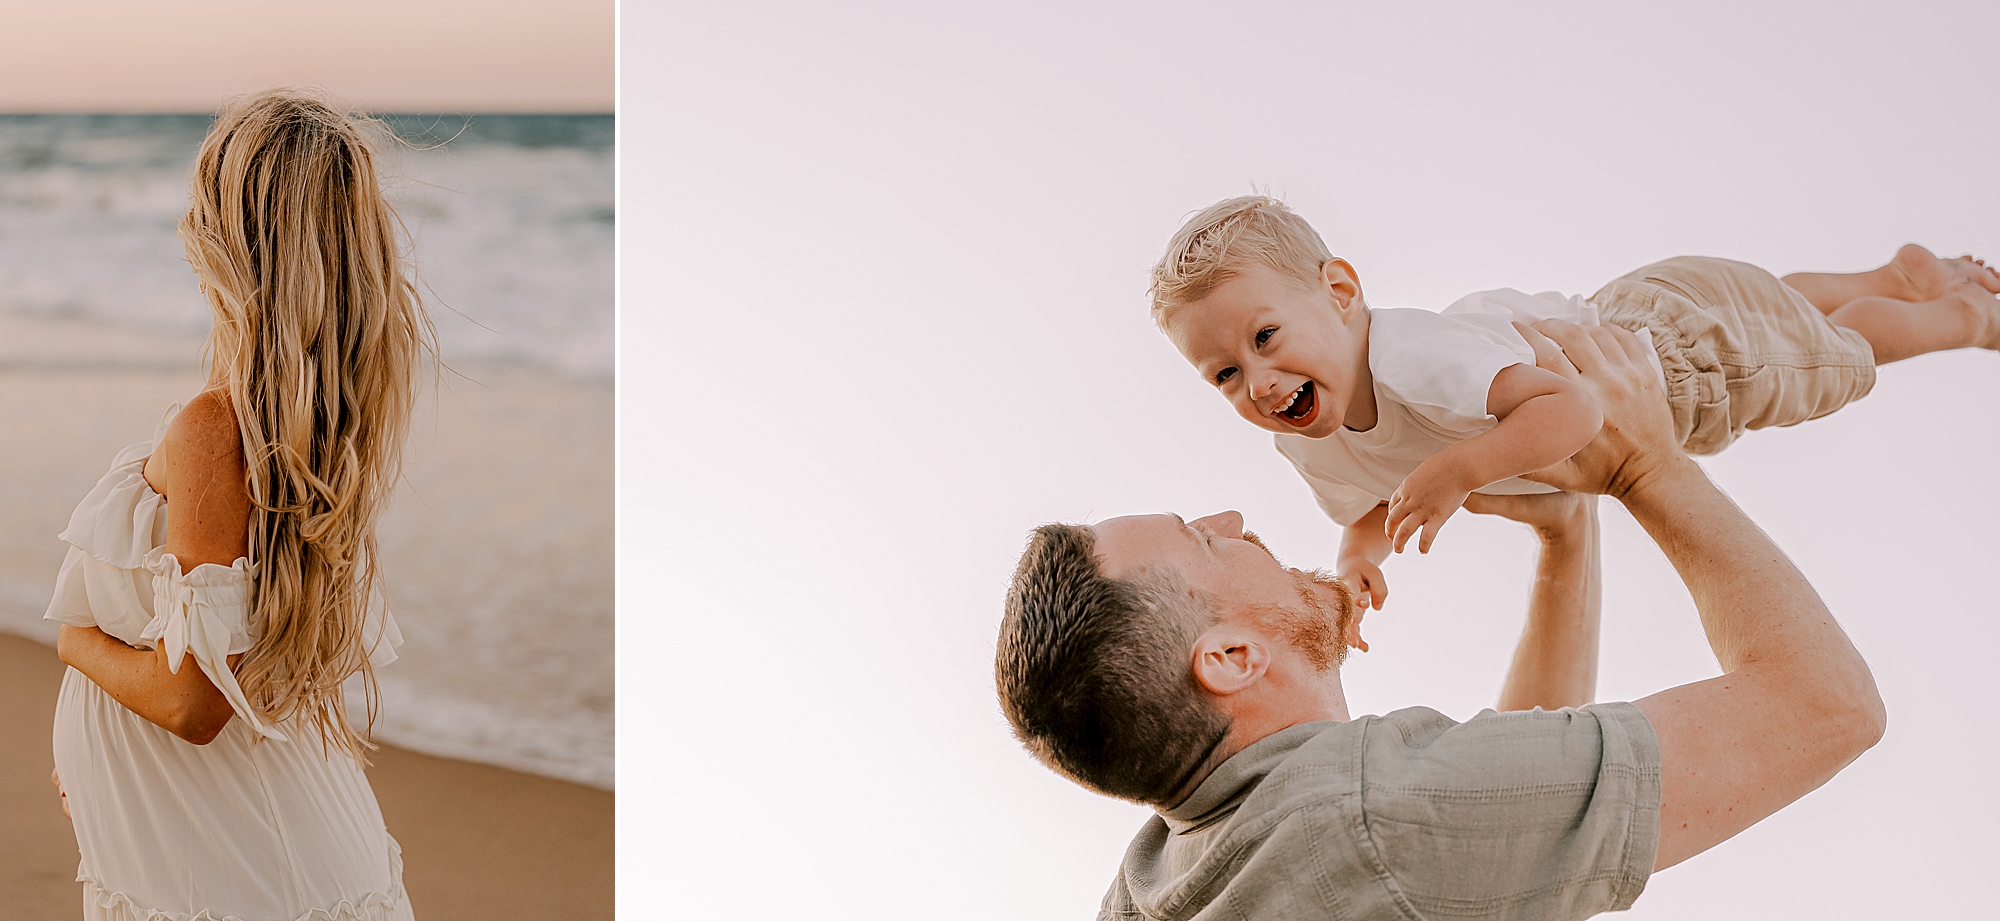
[1094, 673]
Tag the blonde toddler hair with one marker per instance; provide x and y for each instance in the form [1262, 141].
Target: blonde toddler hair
[1215, 245]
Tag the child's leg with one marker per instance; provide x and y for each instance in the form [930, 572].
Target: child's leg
[1914, 275]
[1916, 304]
[1911, 276]
[1969, 316]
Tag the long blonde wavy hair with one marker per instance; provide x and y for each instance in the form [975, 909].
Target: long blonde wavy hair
[318, 335]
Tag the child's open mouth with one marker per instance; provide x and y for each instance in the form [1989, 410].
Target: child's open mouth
[1303, 406]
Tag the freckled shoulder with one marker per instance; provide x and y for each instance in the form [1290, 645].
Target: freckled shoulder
[202, 442]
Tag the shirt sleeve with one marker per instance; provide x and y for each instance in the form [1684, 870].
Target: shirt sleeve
[1442, 367]
[1537, 814]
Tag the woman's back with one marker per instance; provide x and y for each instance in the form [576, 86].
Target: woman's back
[220, 591]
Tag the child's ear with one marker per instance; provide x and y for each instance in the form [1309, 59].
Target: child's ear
[1342, 284]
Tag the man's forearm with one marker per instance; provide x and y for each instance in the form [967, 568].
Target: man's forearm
[1555, 662]
[1795, 703]
[1755, 605]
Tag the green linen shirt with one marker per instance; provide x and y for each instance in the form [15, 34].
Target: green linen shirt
[1528, 815]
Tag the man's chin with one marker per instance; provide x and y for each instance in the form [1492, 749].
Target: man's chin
[1332, 605]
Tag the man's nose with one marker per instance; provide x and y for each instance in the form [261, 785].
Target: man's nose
[1221, 524]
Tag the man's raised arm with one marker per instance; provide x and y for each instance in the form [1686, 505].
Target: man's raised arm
[1795, 702]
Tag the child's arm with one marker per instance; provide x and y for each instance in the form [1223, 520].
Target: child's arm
[1363, 546]
[1544, 418]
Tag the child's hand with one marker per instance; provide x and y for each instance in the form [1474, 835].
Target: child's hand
[1428, 496]
[1364, 582]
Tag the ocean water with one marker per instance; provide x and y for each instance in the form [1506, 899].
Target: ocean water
[511, 218]
[498, 547]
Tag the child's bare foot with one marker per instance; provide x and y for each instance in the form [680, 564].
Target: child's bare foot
[1982, 308]
[1927, 277]
[1975, 271]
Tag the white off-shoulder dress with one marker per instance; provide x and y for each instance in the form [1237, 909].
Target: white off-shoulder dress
[263, 823]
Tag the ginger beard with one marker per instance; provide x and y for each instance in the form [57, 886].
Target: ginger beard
[1318, 627]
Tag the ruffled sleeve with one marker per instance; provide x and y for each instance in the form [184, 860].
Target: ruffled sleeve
[205, 613]
[380, 635]
[103, 582]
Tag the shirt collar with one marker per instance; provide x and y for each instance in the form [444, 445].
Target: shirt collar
[1228, 785]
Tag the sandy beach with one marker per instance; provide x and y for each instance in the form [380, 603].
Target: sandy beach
[498, 557]
[497, 551]
[479, 842]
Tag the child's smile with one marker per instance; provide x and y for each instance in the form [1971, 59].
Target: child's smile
[1290, 358]
[1301, 408]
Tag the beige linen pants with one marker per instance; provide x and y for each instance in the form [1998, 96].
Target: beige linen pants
[1741, 350]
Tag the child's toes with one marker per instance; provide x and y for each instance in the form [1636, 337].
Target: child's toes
[1974, 269]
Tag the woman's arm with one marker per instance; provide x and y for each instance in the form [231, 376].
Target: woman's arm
[184, 703]
[1555, 663]
[1544, 418]
[198, 468]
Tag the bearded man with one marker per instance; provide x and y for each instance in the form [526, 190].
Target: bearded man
[1178, 664]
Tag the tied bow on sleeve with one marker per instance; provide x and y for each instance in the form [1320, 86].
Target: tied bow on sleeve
[204, 612]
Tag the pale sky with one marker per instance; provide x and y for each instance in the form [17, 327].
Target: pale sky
[883, 311]
[379, 55]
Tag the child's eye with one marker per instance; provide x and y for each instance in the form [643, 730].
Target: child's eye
[1224, 375]
[1264, 335]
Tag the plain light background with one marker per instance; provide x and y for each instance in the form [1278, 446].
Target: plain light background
[381, 55]
[883, 311]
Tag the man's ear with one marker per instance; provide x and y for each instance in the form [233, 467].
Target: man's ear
[1343, 285]
[1227, 661]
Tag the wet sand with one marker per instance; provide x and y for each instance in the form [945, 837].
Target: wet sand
[497, 550]
[478, 841]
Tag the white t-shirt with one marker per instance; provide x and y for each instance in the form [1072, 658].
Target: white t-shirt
[1432, 374]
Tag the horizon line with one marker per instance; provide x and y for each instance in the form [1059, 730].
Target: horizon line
[374, 112]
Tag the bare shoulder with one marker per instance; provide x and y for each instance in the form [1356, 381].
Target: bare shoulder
[198, 466]
[202, 443]
[206, 426]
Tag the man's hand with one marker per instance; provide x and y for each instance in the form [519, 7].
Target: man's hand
[1637, 437]
[1555, 516]
[1427, 497]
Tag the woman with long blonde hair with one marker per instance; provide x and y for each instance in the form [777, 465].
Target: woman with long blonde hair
[221, 586]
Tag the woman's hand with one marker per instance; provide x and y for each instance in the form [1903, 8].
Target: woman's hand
[60, 792]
